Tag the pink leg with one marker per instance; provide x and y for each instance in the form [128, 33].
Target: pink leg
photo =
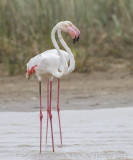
[50, 115]
[58, 110]
[41, 116]
[47, 107]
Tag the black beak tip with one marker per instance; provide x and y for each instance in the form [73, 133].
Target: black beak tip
[74, 40]
[78, 38]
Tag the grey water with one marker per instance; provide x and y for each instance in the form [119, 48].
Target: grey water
[103, 134]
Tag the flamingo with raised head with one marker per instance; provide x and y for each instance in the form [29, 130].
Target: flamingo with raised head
[53, 63]
[70, 69]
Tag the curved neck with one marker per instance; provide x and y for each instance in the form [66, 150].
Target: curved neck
[72, 61]
[62, 58]
[54, 40]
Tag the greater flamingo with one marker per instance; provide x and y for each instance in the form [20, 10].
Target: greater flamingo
[70, 69]
[53, 63]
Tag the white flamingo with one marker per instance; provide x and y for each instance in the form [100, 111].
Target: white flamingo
[70, 69]
[53, 63]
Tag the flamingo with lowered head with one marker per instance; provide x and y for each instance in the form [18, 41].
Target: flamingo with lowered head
[53, 63]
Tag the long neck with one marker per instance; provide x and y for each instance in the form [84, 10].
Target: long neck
[54, 40]
[62, 58]
[72, 61]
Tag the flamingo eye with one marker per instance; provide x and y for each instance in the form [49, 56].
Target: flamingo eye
[65, 25]
[70, 25]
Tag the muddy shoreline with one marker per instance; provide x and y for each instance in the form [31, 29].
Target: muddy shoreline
[78, 91]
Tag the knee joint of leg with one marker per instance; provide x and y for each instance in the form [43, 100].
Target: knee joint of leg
[50, 115]
[41, 116]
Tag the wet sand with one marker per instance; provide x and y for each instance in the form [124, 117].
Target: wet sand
[78, 91]
[105, 134]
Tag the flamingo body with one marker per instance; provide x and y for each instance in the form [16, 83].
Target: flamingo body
[53, 63]
[46, 63]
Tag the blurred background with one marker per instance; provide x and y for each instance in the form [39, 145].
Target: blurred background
[101, 85]
[106, 32]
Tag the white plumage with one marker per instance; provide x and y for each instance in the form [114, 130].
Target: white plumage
[53, 63]
[48, 63]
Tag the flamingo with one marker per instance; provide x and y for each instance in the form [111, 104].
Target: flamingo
[53, 63]
[70, 69]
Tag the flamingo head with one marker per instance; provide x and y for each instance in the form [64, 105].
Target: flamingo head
[67, 26]
[76, 30]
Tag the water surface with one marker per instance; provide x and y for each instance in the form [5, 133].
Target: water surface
[104, 134]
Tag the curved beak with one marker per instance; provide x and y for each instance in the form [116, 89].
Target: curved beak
[72, 33]
[76, 31]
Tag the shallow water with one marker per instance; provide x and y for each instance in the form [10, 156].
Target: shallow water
[105, 134]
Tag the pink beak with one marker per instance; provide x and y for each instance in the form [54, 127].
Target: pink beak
[74, 33]
[76, 30]
[71, 32]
